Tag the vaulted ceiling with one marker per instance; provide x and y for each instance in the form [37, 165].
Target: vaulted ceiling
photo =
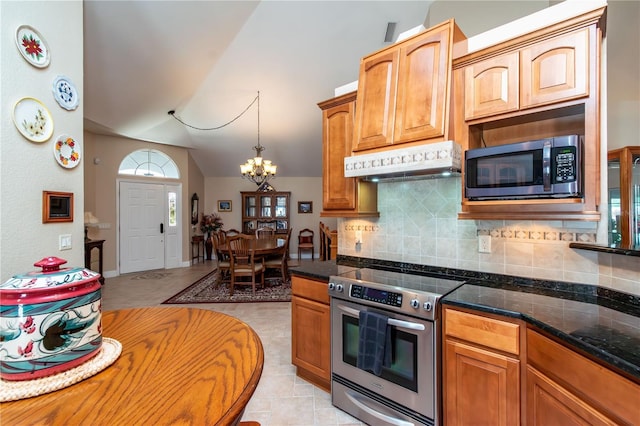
[206, 60]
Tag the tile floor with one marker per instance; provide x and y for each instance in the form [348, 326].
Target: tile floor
[281, 398]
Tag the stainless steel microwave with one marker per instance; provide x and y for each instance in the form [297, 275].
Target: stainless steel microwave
[545, 168]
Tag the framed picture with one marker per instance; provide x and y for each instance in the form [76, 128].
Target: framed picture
[57, 206]
[194, 209]
[224, 205]
[305, 206]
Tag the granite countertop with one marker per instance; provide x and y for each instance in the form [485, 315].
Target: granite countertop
[603, 324]
[320, 270]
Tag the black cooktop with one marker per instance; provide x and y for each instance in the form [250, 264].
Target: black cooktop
[430, 284]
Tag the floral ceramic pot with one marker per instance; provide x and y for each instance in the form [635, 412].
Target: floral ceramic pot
[50, 321]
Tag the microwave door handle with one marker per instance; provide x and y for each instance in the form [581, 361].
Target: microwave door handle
[546, 166]
[391, 321]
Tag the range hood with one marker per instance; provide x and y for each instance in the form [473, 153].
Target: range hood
[431, 160]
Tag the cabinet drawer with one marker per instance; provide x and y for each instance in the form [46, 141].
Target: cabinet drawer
[489, 332]
[603, 389]
[310, 289]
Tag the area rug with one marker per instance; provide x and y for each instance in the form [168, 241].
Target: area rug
[210, 289]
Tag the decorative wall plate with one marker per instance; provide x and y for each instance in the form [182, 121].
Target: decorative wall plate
[33, 119]
[67, 151]
[65, 93]
[32, 46]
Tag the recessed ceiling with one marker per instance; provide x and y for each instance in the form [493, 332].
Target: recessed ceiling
[208, 59]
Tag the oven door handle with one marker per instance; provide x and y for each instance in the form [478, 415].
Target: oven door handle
[391, 321]
[360, 402]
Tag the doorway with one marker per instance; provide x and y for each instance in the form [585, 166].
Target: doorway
[149, 218]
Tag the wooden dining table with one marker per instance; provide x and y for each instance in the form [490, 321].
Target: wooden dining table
[263, 246]
[178, 366]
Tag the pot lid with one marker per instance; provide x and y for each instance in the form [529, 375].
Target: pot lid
[50, 276]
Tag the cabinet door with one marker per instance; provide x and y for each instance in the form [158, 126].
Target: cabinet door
[480, 387]
[338, 192]
[423, 79]
[265, 207]
[548, 403]
[249, 206]
[311, 337]
[555, 70]
[491, 86]
[376, 100]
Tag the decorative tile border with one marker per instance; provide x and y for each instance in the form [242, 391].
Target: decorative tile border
[434, 156]
[526, 235]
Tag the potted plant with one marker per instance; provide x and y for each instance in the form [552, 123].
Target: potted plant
[209, 224]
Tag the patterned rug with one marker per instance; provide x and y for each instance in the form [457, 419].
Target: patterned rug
[209, 289]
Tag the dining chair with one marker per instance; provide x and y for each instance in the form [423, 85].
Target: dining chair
[243, 263]
[222, 258]
[281, 260]
[305, 242]
[231, 232]
[265, 232]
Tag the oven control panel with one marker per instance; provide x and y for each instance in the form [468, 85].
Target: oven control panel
[375, 295]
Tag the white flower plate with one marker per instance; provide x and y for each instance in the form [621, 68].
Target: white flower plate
[32, 46]
[66, 151]
[65, 93]
[33, 120]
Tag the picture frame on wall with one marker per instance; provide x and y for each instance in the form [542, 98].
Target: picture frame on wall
[305, 207]
[57, 206]
[224, 205]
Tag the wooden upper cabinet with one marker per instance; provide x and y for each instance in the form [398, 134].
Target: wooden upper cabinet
[342, 196]
[423, 79]
[376, 100]
[337, 133]
[555, 70]
[492, 86]
[404, 90]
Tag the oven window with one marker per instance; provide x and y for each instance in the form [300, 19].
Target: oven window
[404, 365]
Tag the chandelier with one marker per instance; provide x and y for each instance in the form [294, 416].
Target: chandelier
[257, 169]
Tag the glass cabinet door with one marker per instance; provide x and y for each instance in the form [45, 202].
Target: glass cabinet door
[281, 206]
[624, 197]
[250, 206]
[265, 206]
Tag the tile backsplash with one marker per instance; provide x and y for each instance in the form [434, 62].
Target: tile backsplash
[418, 224]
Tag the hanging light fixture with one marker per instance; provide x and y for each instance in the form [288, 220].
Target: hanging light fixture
[257, 169]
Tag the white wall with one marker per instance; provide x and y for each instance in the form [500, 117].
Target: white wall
[28, 168]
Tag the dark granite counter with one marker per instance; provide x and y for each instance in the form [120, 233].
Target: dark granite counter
[604, 323]
[626, 251]
[320, 270]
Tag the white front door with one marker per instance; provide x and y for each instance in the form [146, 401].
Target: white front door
[144, 219]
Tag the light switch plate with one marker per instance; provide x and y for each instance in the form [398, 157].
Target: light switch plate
[65, 242]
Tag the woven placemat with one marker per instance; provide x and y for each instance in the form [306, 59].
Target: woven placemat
[14, 390]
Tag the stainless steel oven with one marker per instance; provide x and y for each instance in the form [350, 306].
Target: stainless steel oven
[406, 391]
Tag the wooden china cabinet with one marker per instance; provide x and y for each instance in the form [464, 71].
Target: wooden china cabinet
[260, 209]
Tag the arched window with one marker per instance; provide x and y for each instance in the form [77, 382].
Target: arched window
[149, 162]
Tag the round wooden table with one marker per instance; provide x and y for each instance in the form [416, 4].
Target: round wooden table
[178, 366]
[263, 246]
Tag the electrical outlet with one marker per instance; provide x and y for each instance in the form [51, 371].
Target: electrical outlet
[358, 237]
[484, 243]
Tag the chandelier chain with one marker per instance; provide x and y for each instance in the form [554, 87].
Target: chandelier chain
[257, 98]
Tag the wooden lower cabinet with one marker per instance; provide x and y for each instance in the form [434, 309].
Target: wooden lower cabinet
[311, 331]
[549, 403]
[481, 370]
[481, 388]
[564, 387]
